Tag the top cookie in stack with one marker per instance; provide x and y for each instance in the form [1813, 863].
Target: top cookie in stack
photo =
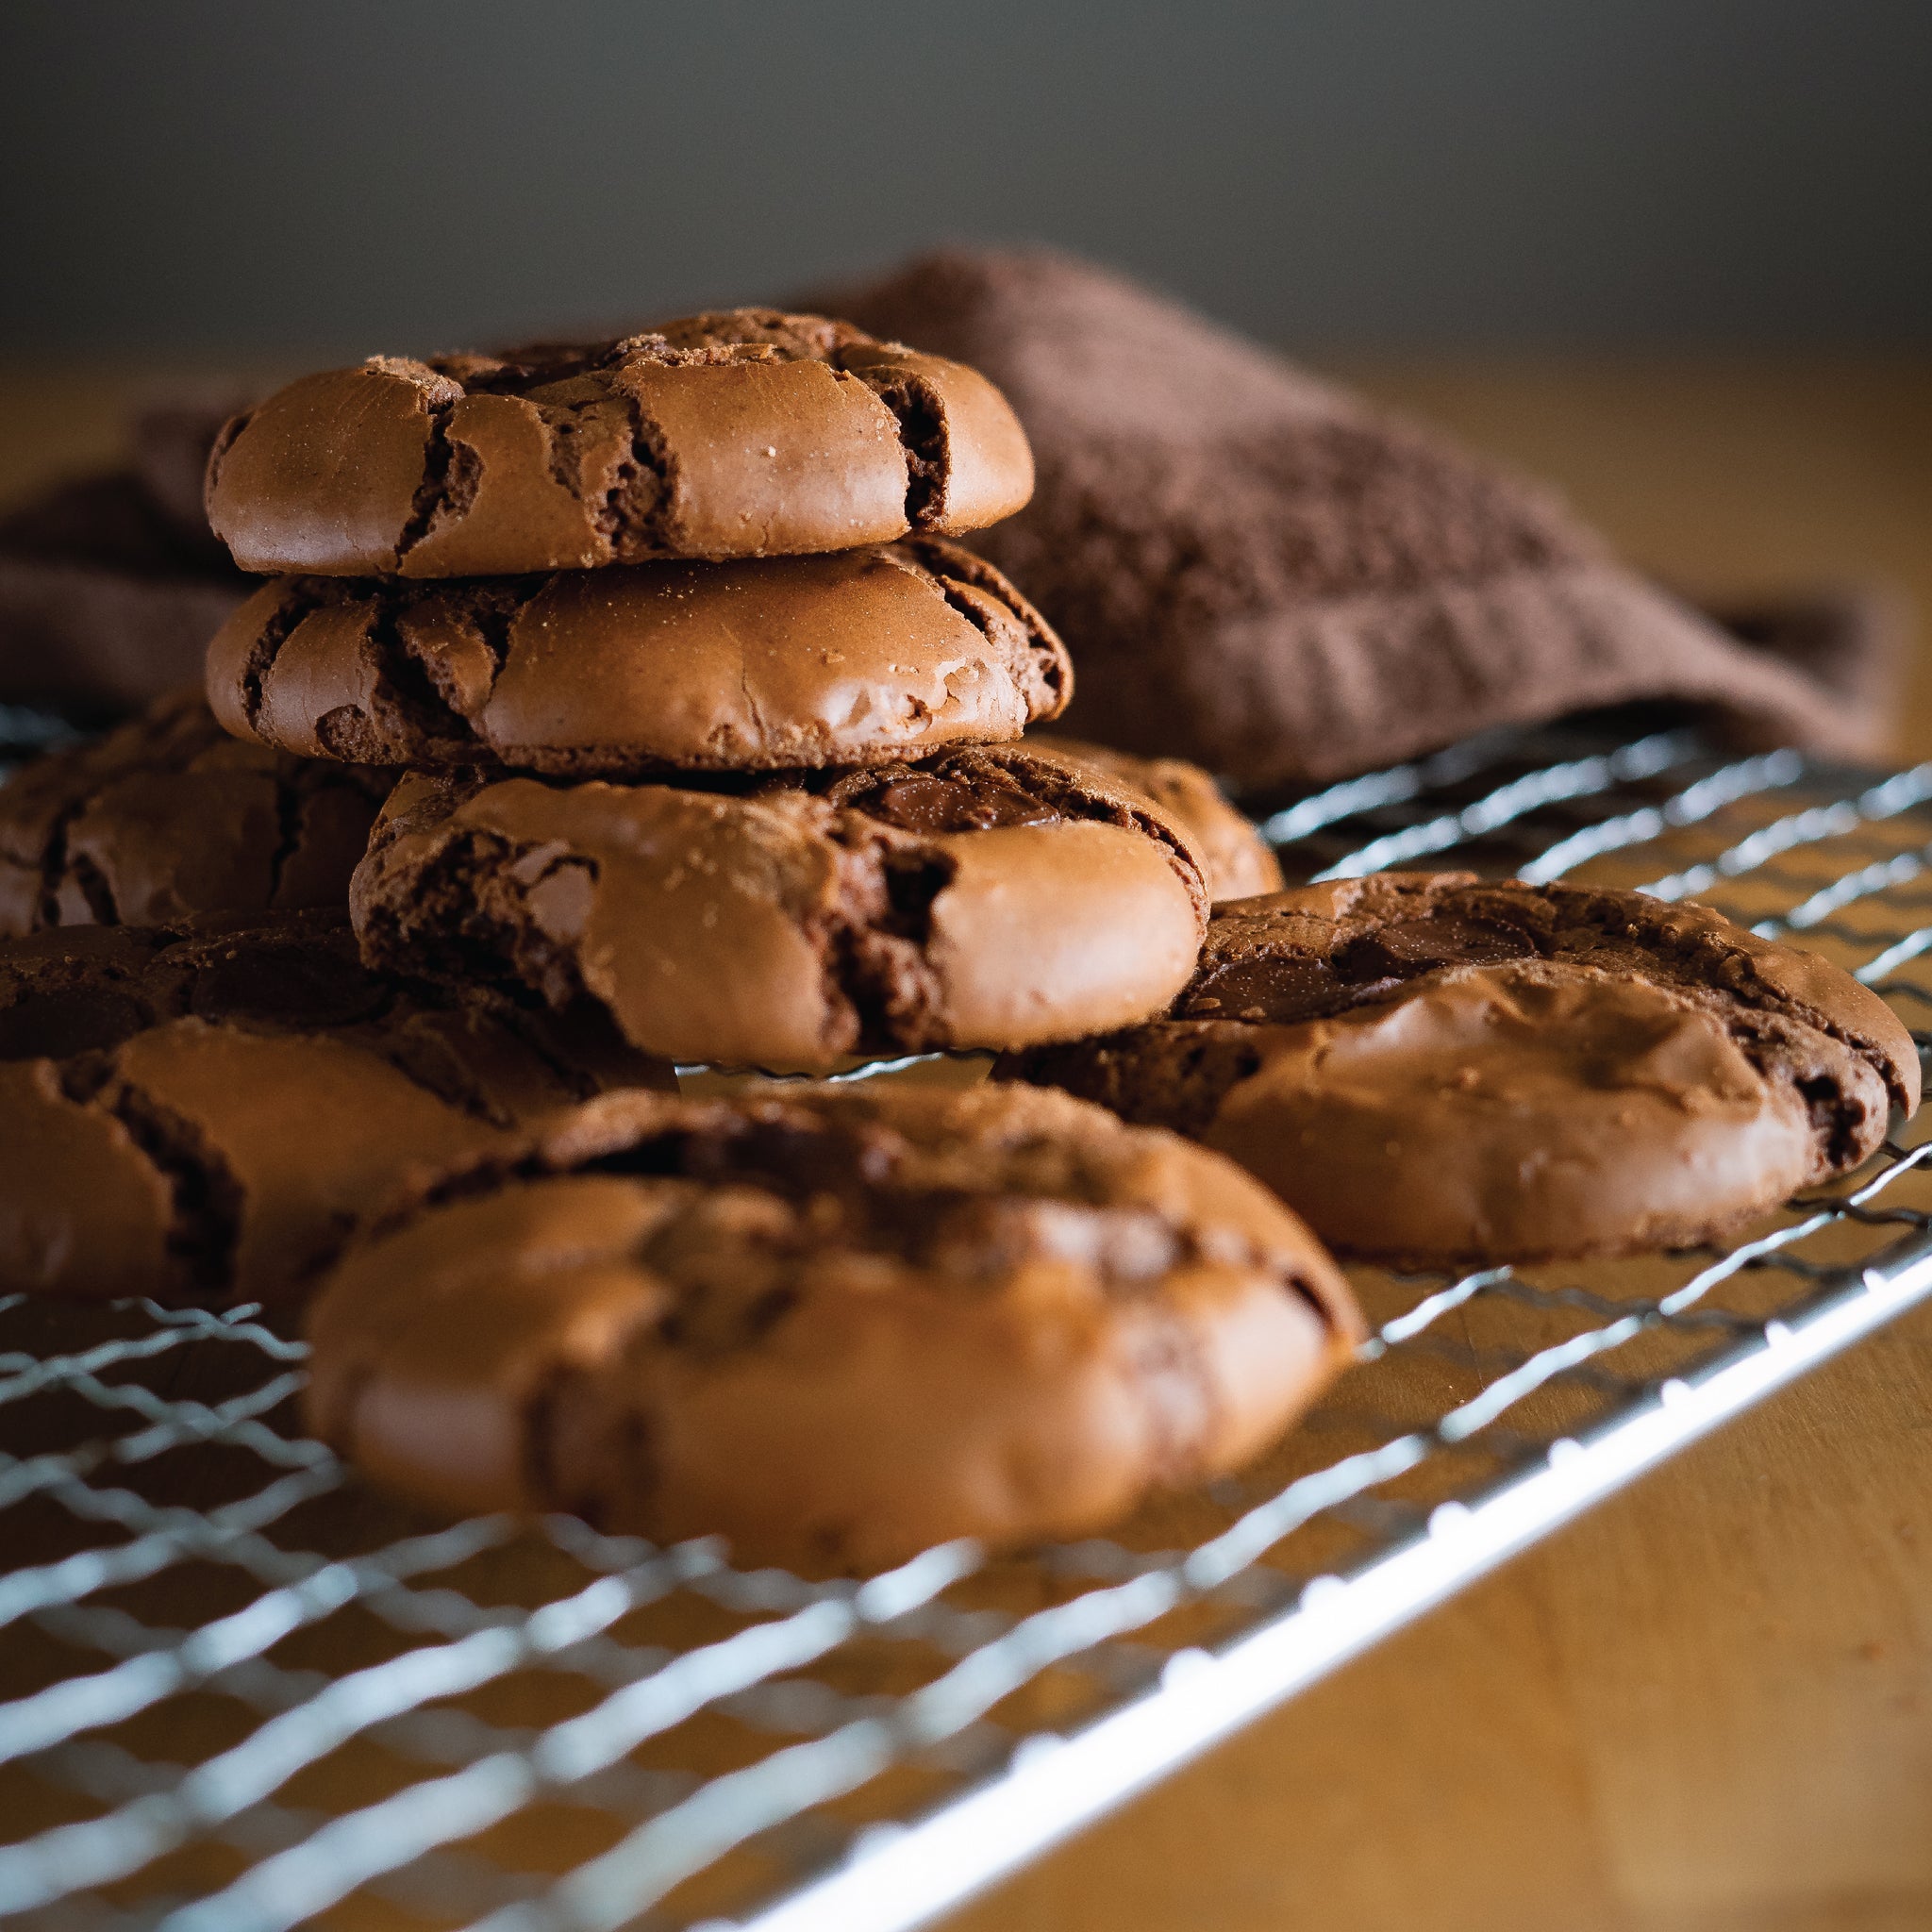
[750, 433]
[703, 715]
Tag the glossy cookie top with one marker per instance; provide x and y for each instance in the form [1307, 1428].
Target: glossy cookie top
[745, 433]
[992, 896]
[1435, 1067]
[894, 650]
[836, 1325]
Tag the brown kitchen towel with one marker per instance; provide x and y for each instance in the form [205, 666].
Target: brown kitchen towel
[1263, 573]
[112, 586]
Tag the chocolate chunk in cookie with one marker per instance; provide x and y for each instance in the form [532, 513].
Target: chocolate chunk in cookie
[745, 433]
[837, 1326]
[204, 1115]
[989, 897]
[1435, 1069]
[170, 819]
[885, 652]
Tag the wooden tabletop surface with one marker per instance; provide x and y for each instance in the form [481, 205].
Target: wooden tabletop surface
[1708, 1706]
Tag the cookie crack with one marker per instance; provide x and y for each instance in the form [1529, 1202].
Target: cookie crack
[1835, 1120]
[466, 916]
[54, 857]
[208, 1199]
[94, 888]
[420, 708]
[448, 487]
[291, 804]
[1058, 792]
[875, 944]
[1045, 673]
[920, 415]
[1173, 1073]
[301, 597]
[631, 515]
[218, 454]
[442, 1070]
[748, 696]
[1705, 962]
[58, 864]
[440, 1073]
[1067, 795]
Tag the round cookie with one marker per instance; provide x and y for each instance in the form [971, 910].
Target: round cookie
[745, 433]
[1239, 861]
[169, 819]
[989, 897]
[836, 1326]
[891, 651]
[1433, 1070]
[206, 1115]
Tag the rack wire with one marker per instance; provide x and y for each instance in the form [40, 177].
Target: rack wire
[237, 1692]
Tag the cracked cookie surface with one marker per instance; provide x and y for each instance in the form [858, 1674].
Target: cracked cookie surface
[1237, 861]
[1432, 1069]
[997, 897]
[835, 1325]
[168, 818]
[205, 1114]
[746, 432]
[883, 652]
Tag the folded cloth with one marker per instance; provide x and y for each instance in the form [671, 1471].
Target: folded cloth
[112, 586]
[1259, 570]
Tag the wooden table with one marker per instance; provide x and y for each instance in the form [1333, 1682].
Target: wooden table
[1708, 1706]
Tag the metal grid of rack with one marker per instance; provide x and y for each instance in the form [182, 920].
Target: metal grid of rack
[239, 1694]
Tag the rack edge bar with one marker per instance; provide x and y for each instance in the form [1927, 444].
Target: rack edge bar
[898, 1878]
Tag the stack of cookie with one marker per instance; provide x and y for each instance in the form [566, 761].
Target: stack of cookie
[702, 715]
[704, 721]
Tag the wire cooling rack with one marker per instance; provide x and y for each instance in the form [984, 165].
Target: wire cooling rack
[237, 1692]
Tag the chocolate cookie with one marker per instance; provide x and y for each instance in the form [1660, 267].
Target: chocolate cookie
[168, 818]
[204, 1115]
[794, 660]
[837, 1326]
[992, 897]
[1239, 861]
[1434, 1070]
[746, 433]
